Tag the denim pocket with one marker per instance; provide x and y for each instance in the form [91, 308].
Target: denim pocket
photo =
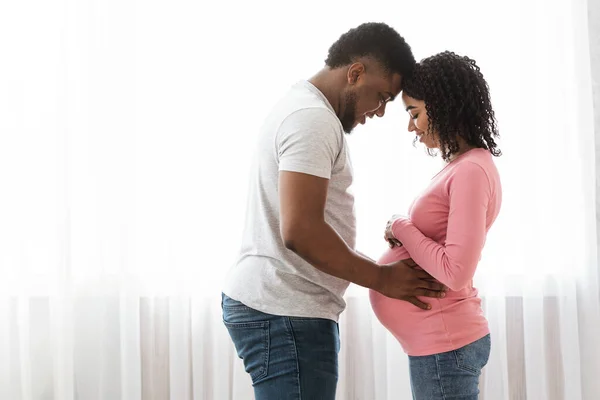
[474, 356]
[231, 304]
[251, 340]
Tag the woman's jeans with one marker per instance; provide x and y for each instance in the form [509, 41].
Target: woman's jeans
[451, 375]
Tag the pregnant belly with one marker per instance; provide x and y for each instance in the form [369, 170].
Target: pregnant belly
[393, 255]
[403, 319]
[457, 313]
[408, 323]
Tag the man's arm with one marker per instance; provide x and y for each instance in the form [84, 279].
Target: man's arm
[305, 232]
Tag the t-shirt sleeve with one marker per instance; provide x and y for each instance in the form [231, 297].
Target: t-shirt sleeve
[309, 141]
[454, 263]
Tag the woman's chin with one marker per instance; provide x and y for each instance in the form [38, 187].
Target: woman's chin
[429, 145]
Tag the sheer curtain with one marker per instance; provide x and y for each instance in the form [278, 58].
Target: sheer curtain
[125, 137]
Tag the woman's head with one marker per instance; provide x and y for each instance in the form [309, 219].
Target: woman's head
[449, 104]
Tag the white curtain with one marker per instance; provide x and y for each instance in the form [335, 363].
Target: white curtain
[126, 129]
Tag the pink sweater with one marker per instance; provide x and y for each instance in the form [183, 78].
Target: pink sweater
[445, 236]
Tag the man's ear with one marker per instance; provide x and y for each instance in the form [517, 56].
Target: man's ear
[354, 72]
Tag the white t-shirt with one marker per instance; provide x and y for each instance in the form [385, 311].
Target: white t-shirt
[301, 134]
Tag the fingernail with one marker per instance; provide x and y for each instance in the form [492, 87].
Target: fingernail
[429, 306]
[443, 294]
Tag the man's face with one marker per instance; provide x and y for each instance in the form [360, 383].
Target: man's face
[368, 91]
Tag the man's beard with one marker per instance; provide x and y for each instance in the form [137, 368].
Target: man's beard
[348, 118]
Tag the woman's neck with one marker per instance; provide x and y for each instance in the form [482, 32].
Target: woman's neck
[463, 147]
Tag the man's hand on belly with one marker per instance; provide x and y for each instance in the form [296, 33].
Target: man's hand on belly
[404, 281]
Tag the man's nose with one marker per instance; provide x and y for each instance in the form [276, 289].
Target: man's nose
[380, 112]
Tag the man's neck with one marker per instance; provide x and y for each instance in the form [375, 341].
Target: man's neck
[327, 81]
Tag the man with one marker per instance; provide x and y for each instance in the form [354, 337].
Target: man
[283, 297]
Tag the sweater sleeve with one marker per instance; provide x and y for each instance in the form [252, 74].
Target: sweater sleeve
[454, 263]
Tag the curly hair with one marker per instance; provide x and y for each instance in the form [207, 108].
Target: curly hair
[376, 40]
[457, 101]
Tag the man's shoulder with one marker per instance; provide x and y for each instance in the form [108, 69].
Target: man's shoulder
[305, 103]
[309, 120]
[303, 115]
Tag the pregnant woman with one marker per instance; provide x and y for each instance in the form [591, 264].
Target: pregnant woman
[450, 111]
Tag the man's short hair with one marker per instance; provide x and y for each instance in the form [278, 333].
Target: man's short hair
[376, 40]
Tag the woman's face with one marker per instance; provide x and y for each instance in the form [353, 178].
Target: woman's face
[419, 122]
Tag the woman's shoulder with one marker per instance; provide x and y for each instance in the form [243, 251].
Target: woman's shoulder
[474, 158]
[478, 167]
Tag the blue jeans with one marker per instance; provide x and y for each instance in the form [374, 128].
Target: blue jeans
[451, 375]
[286, 357]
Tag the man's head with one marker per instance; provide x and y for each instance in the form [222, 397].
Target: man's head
[373, 58]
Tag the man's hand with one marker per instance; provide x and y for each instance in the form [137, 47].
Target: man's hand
[401, 280]
[389, 234]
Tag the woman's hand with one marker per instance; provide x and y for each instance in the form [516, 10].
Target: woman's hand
[389, 235]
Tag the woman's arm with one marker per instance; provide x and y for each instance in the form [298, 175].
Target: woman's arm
[453, 264]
